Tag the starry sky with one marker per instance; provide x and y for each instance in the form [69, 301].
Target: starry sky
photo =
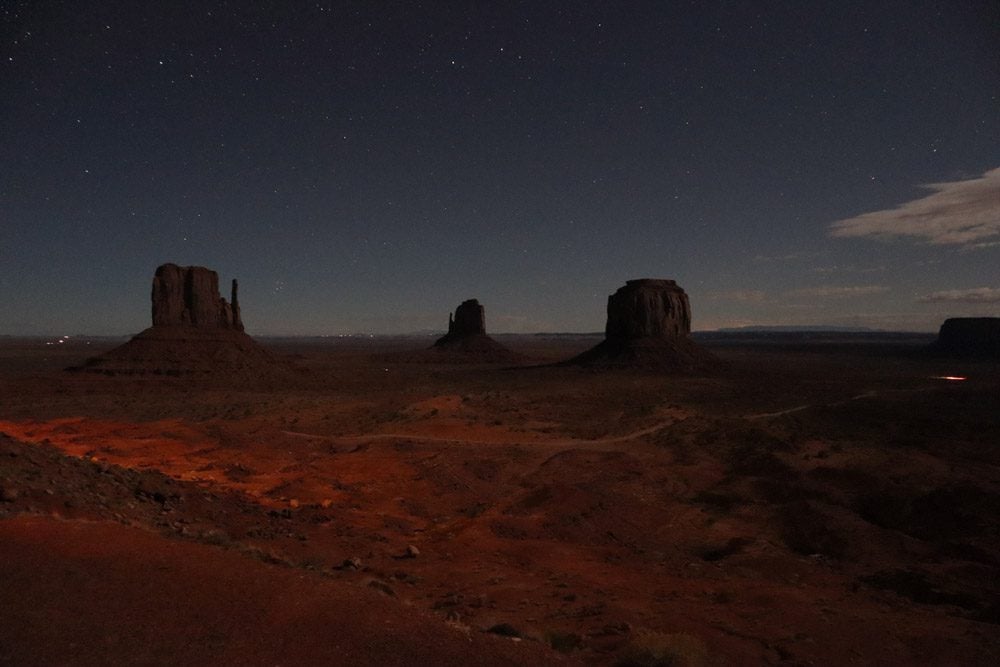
[366, 166]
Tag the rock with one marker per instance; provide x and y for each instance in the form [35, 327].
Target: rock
[8, 494]
[411, 552]
[469, 319]
[564, 642]
[195, 332]
[648, 325]
[648, 308]
[382, 587]
[466, 340]
[189, 296]
[352, 563]
[504, 630]
[971, 337]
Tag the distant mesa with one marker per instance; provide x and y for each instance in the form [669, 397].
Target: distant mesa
[194, 332]
[466, 339]
[648, 324]
[968, 337]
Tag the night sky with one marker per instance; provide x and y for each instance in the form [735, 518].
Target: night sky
[366, 166]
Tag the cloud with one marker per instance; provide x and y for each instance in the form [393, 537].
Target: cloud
[974, 295]
[839, 292]
[747, 295]
[958, 213]
[836, 268]
[790, 257]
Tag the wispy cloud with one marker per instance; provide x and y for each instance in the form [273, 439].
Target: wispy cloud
[957, 213]
[745, 295]
[836, 268]
[974, 295]
[839, 292]
[790, 257]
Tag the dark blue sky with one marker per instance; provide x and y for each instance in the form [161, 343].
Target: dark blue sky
[366, 166]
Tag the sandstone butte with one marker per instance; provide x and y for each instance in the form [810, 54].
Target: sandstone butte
[195, 332]
[972, 337]
[649, 321]
[466, 339]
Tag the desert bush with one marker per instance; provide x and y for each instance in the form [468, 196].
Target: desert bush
[884, 506]
[649, 648]
[807, 531]
[564, 642]
[721, 501]
[918, 587]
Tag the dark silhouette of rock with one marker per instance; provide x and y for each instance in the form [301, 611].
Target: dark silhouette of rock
[648, 325]
[970, 337]
[469, 319]
[648, 308]
[189, 295]
[195, 332]
[466, 340]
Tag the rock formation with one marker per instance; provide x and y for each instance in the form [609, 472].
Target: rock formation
[195, 332]
[189, 295]
[466, 340]
[970, 337]
[469, 319]
[648, 308]
[648, 325]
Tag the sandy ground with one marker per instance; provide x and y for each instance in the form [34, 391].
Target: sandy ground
[807, 505]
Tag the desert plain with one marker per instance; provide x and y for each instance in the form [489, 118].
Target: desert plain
[812, 500]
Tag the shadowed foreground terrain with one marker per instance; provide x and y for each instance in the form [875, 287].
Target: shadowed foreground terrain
[809, 501]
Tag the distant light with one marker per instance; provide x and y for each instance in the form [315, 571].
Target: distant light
[951, 378]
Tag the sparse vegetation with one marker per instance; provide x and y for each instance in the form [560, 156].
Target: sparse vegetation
[650, 648]
[558, 501]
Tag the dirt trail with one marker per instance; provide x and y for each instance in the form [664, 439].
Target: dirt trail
[800, 408]
[595, 443]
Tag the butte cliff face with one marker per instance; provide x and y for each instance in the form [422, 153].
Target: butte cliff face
[466, 340]
[189, 296]
[648, 325]
[971, 337]
[469, 319]
[195, 332]
[648, 308]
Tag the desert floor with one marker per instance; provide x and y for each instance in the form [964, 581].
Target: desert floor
[812, 501]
